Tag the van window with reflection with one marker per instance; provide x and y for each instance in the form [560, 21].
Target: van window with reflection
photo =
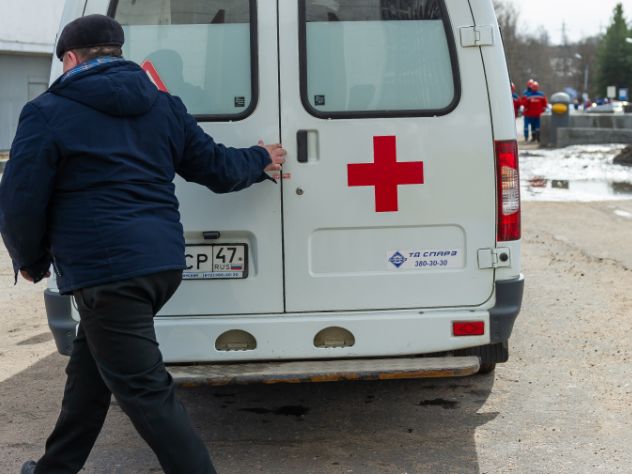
[377, 55]
[199, 50]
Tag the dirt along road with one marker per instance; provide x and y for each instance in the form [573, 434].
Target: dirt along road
[562, 404]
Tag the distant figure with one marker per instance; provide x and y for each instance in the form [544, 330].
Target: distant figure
[516, 100]
[534, 103]
[529, 89]
[527, 92]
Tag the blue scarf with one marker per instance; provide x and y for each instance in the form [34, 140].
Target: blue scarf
[89, 65]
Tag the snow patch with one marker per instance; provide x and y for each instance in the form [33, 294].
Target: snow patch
[622, 213]
[576, 173]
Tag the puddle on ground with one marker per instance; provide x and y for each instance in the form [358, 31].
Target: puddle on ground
[289, 410]
[440, 402]
[576, 173]
[542, 189]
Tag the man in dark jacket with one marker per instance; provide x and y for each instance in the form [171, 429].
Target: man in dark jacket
[89, 189]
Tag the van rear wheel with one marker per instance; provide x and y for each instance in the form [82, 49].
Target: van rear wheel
[489, 355]
[487, 368]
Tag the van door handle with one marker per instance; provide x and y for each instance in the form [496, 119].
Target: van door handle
[301, 146]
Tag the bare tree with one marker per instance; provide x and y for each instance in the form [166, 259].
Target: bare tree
[508, 15]
[586, 70]
[530, 55]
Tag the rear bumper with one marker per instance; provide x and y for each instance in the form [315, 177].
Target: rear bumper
[192, 339]
[504, 313]
[324, 370]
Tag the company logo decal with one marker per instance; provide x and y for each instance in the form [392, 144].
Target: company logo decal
[397, 259]
[421, 260]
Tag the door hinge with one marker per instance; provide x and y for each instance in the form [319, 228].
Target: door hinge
[494, 258]
[472, 36]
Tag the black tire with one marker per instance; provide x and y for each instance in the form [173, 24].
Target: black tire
[489, 355]
[487, 368]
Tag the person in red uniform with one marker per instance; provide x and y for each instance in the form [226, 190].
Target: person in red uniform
[535, 104]
[516, 99]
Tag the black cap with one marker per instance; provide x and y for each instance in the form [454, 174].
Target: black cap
[90, 31]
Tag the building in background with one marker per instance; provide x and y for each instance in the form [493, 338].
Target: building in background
[27, 36]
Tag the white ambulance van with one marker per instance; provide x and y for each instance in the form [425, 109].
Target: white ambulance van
[390, 246]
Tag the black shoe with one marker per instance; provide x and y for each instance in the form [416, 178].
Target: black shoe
[28, 467]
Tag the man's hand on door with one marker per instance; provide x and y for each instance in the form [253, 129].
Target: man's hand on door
[277, 155]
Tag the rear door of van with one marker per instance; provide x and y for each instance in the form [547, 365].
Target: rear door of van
[220, 58]
[389, 188]
[390, 184]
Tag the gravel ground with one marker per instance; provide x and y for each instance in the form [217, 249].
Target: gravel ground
[561, 404]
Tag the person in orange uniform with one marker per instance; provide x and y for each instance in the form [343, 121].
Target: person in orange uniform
[535, 104]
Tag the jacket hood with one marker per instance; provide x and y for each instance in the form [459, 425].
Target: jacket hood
[119, 88]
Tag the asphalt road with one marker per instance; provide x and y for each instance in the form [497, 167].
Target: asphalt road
[562, 404]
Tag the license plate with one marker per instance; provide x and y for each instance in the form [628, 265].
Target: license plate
[216, 262]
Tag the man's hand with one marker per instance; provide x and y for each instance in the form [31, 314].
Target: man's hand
[277, 155]
[28, 277]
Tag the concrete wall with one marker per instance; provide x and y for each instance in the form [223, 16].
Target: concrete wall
[601, 121]
[587, 129]
[592, 136]
[29, 26]
[22, 78]
[595, 121]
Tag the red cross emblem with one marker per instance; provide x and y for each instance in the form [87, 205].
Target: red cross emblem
[385, 173]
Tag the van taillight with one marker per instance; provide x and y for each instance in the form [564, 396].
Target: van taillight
[508, 183]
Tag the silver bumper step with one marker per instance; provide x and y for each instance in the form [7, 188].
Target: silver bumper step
[324, 370]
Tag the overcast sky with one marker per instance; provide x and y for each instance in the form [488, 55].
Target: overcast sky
[582, 17]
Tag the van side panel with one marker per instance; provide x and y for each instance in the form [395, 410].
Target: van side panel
[495, 64]
[502, 112]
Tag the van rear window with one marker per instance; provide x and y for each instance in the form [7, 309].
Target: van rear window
[201, 50]
[377, 58]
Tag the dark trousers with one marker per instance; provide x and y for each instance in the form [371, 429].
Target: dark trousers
[533, 123]
[116, 352]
